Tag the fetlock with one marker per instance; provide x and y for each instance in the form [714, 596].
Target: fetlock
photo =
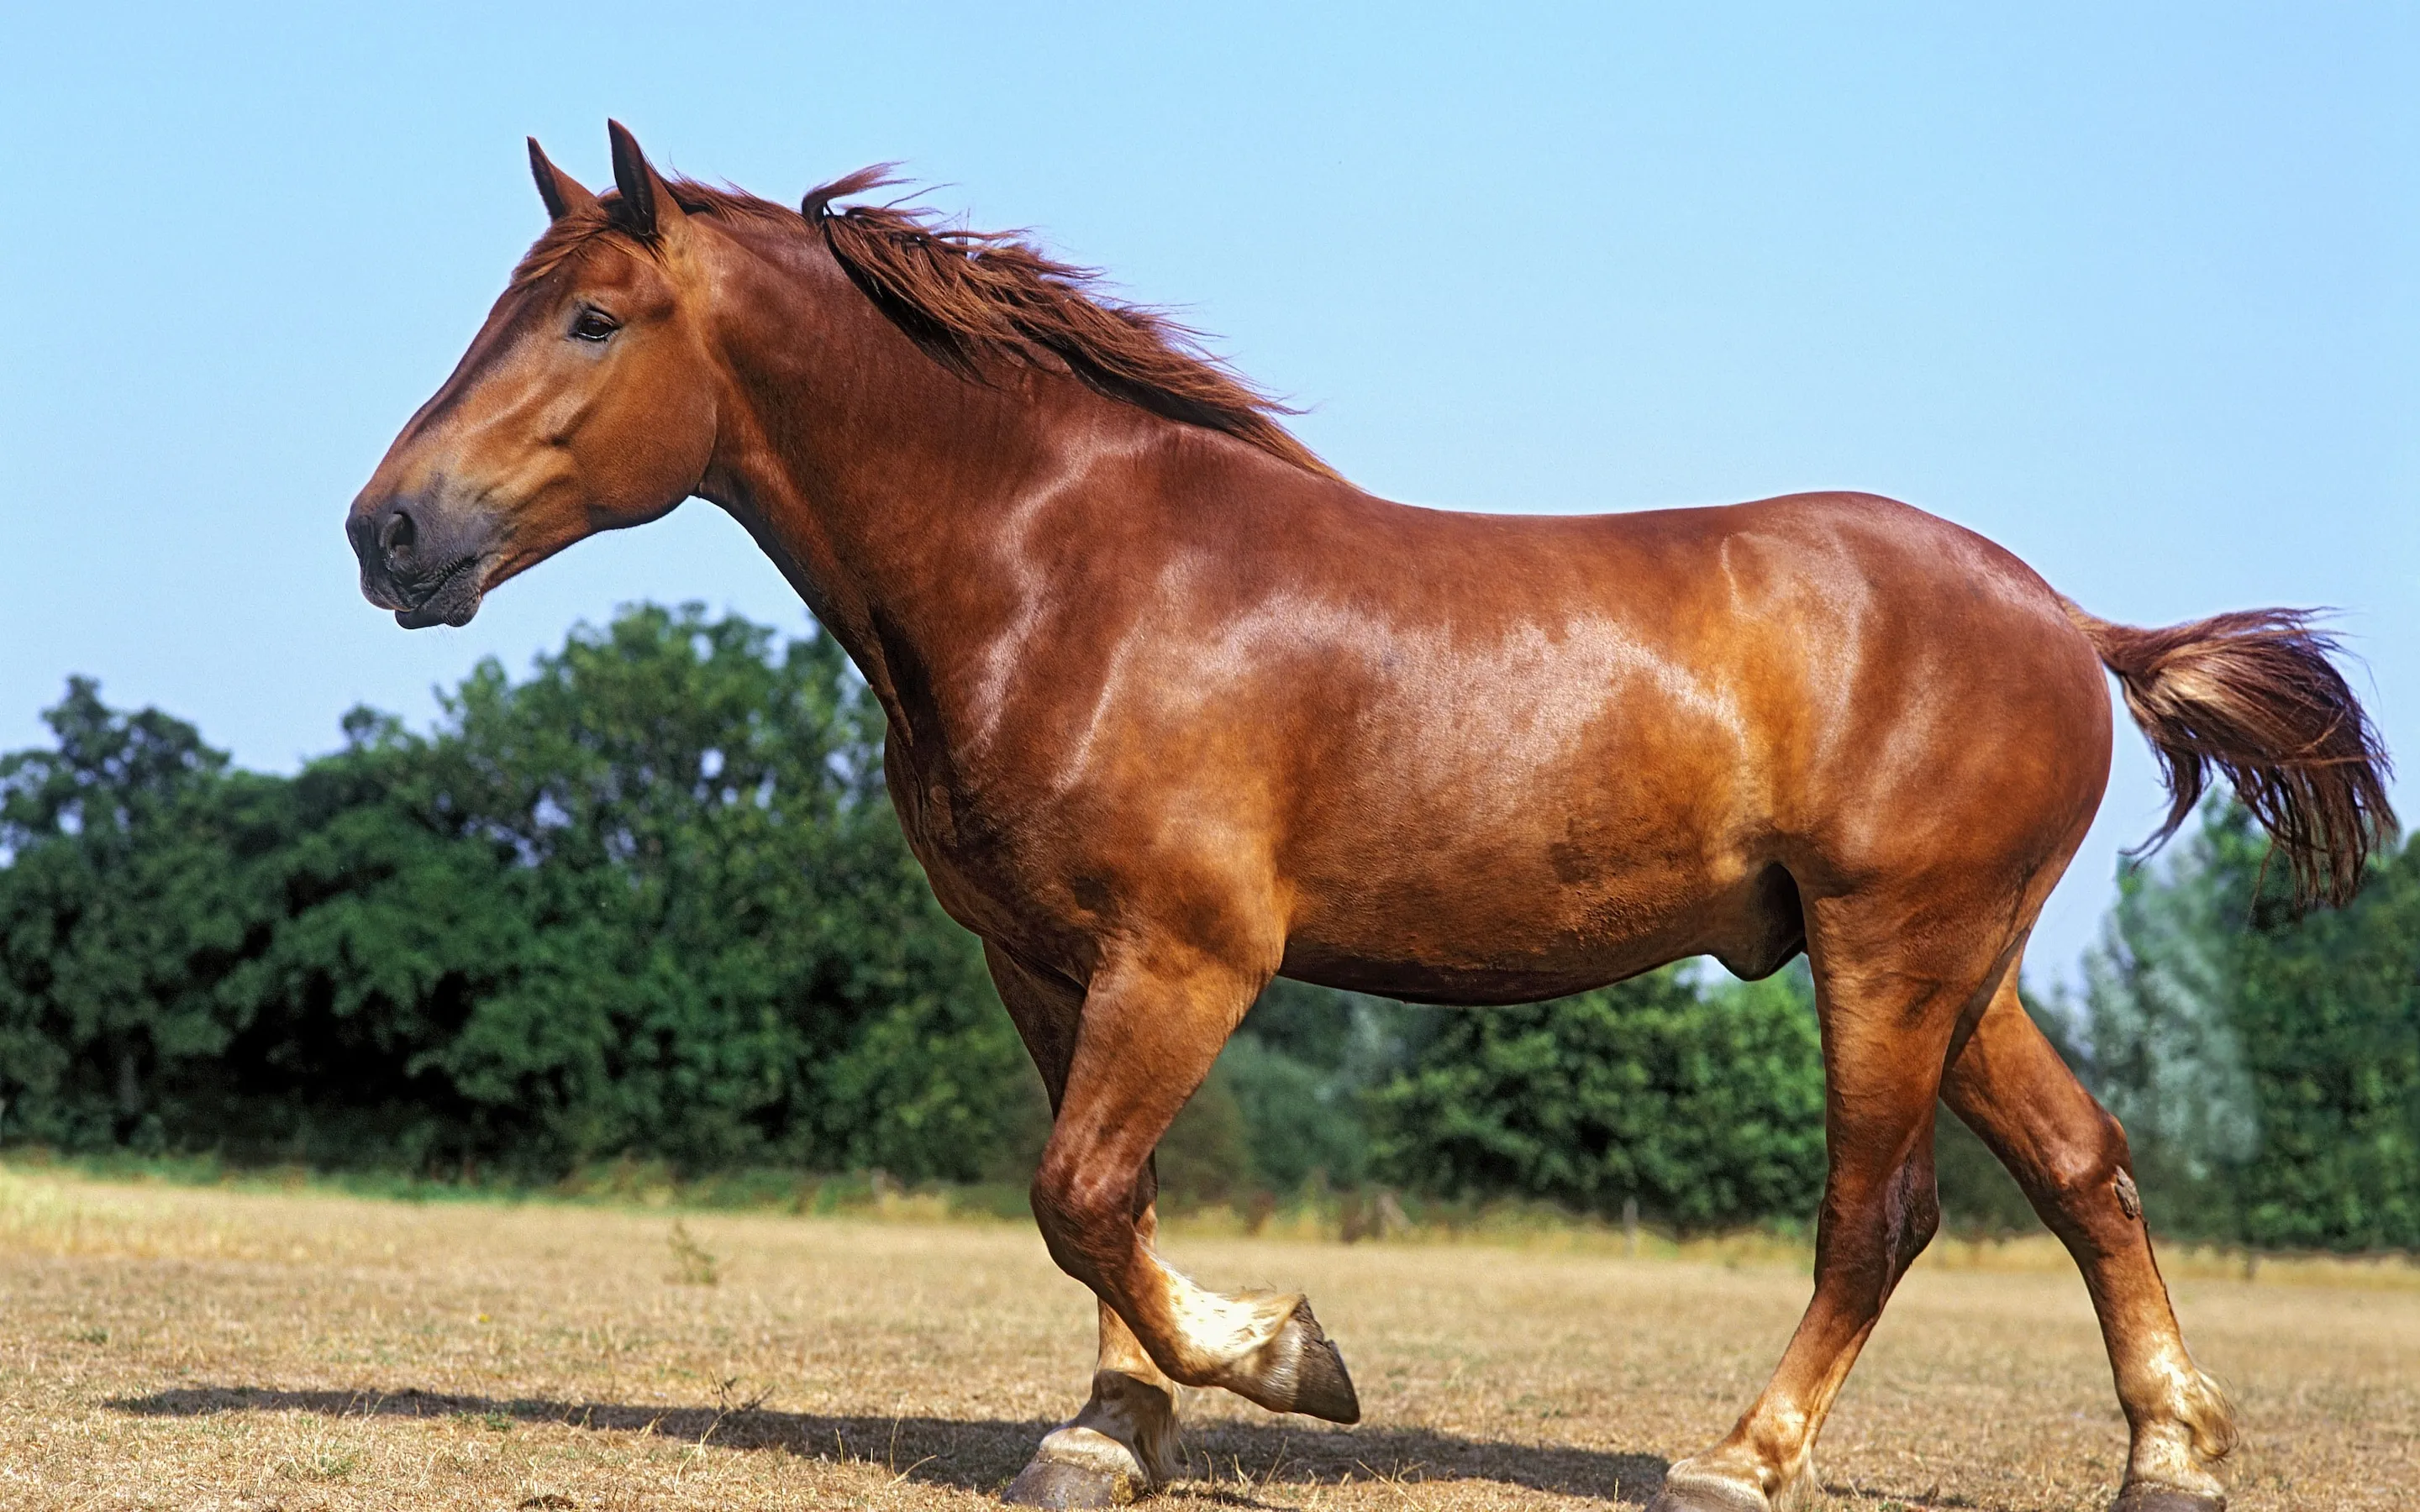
[1140, 1414]
[1122, 1446]
[2174, 1462]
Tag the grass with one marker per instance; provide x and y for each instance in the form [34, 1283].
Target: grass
[280, 1345]
[1311, 1216]
[621, 1183]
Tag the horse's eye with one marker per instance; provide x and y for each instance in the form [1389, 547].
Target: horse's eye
[594, 325]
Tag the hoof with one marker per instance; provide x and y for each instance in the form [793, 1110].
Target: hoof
[1301, 1372]
[2147, 1498]
[1050, 1483]
[1690, 1488]
[1707, 1496]
[1077, 1466]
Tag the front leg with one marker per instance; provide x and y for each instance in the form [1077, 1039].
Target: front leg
[1154, 1021]
[1122, 1443]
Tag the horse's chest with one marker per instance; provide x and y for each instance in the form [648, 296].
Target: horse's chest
[968, 851]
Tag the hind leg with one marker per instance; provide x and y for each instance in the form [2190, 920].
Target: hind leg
[2012, 1089]
[1893, 984]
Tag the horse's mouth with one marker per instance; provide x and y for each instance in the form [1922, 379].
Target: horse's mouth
[451, 597]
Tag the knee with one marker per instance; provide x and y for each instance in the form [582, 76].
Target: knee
[1070, 1202]
[2087, 1162]
[2087, 1181]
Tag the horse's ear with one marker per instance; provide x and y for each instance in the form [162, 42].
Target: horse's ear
[563, 194]
[647, 205]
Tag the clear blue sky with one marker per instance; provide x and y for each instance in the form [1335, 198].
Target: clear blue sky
[2133, 290]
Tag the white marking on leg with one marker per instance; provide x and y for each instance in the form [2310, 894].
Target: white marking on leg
[1219, 1332]
[2193, 1430]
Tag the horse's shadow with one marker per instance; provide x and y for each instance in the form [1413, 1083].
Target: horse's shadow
[1234, 1457]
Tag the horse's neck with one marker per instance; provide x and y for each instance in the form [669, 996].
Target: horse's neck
[878, 481]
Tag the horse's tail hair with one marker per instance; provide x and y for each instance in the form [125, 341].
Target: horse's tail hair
[2256, 695]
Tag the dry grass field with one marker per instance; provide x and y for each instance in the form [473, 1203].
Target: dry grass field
[181, 1347]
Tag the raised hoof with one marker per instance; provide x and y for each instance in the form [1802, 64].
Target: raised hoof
[1077, 1467]
[2166, 1499]
[1308, 1371]
[1049, 1483]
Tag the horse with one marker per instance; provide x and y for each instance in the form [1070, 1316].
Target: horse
[1173, 709]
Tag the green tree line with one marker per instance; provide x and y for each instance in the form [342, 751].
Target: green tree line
[2266, 1066]
[650, 901]
[650, 898]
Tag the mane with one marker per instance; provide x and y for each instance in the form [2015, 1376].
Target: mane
[971, 297]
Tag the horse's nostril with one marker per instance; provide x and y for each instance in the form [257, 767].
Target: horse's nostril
[396, 537]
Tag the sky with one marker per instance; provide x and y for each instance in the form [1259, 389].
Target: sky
[2135, 291]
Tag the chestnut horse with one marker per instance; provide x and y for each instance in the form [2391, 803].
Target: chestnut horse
[1175, 709]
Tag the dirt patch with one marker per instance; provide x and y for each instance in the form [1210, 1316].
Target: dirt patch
[195, 1348]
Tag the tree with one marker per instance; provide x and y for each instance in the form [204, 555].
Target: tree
[2266, 1063]
[2327, 1013]
[1706, 1107]
[730, 955]
[126, 901]
[2158, 1001]
[650, 900]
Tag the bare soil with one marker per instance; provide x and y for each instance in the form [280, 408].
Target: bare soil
[184, 1347]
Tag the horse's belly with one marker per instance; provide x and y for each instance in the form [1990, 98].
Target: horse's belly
[1516, 923]
[1424, 981]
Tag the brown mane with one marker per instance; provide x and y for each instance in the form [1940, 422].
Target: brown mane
[968, 298]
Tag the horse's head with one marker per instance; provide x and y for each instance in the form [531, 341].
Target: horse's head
[585, 403]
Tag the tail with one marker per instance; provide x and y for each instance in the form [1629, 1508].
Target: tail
[2255, 695]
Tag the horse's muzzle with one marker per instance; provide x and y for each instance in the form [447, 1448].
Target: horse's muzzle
[418, 561]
